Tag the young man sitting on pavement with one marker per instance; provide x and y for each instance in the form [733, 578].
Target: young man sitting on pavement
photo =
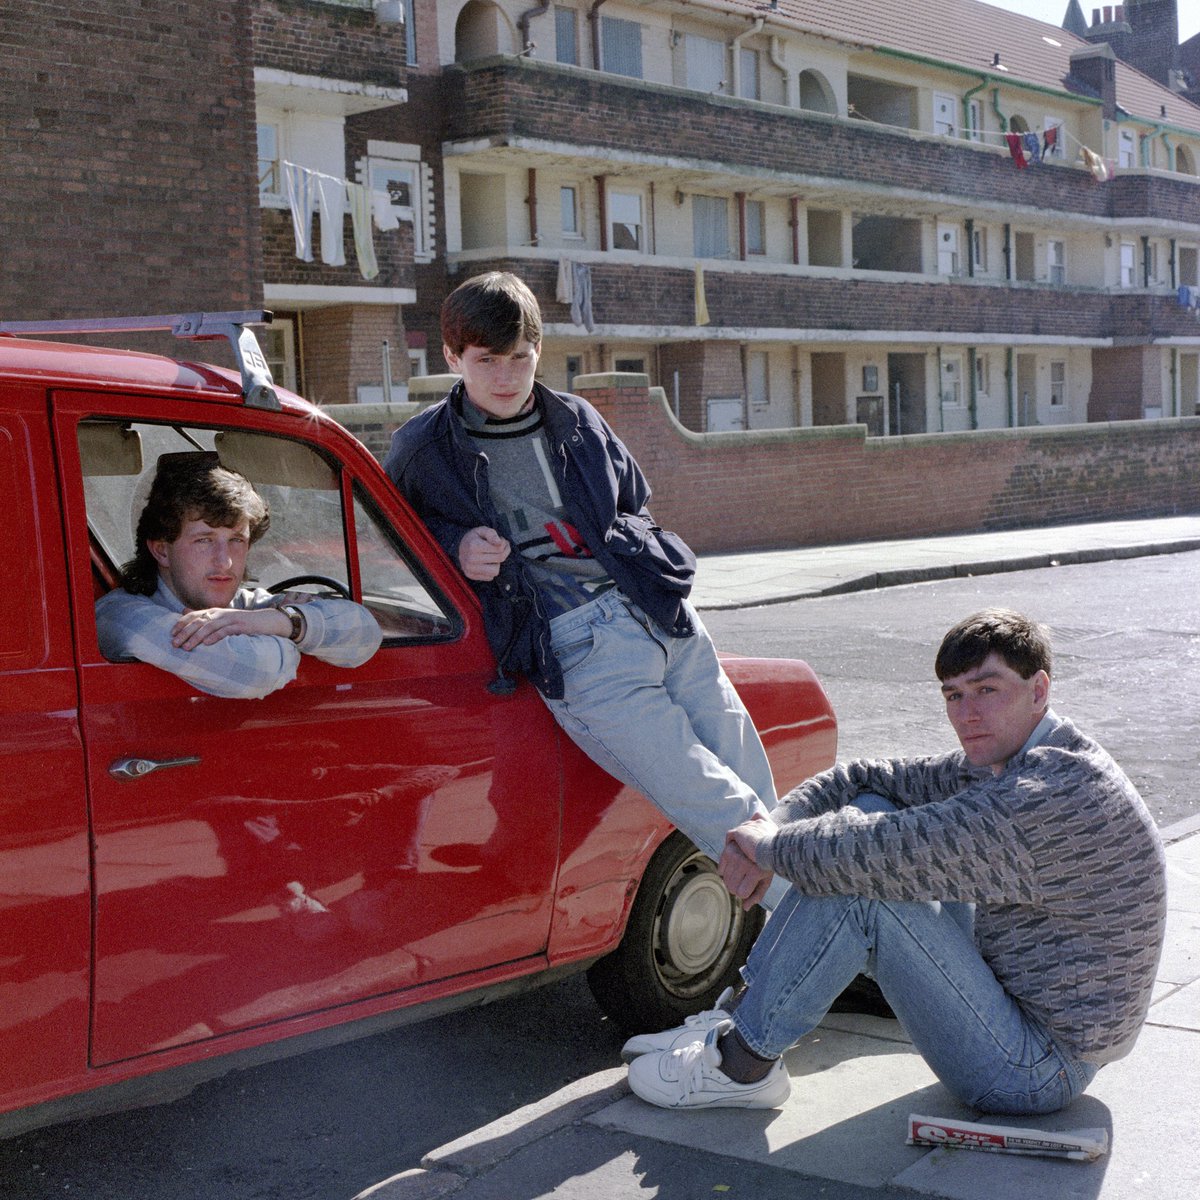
[1009, 900]
[182, 606]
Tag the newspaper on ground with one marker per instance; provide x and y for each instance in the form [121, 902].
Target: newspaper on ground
[1080, 1145]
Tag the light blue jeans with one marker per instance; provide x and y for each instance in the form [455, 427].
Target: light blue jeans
[970, 1031]
[659, 713]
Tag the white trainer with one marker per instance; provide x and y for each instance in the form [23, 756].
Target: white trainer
[691, 1077]
[693, 1029]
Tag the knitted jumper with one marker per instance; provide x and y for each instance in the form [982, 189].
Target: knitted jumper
[1058, 852]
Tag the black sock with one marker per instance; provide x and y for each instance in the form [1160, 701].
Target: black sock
[739, 1062]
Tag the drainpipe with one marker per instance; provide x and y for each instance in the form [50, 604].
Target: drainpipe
[740, 201]
[971, 408]
[1011, 385]
[996, 109]
[1175, 405]
[970, 228]
[531, 202]
[1008, 266]
[1174, 275]
[602, 194]
[735, 46]
[966, 101]
[523, 23]
[791, 81]
[594, 23]
[795, 206]
[1145, 260]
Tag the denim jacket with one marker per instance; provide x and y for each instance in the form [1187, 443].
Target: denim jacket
[439, 470]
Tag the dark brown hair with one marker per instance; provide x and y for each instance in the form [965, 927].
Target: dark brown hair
[1022, 643]
[190, 487]
[495, 311]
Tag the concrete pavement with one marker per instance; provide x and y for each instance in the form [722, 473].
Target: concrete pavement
[855, 1079]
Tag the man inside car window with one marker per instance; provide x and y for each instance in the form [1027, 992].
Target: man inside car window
[182, 606]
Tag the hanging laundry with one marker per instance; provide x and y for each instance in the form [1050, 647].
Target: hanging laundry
[1032, 147]
[1016, 147]
[301, 188]
[364, 241]
[1094, 163]
[564, 286]
[333, 213]
[581, 296]
[701, 300]
[385, 215]
[1049, 140]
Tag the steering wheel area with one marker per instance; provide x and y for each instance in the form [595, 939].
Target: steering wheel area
[325, 581]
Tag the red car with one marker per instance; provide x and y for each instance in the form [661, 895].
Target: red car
[187, 880]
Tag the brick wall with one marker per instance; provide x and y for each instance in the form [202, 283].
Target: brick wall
[826, 486]
[312, 38]
[343, 348]
[647, 294]
[393, 254]
[542, 100]
[127, 138]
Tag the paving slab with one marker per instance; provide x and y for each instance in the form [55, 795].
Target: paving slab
[745, 578]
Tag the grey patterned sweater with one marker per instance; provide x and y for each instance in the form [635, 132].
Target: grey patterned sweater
[1058, 852]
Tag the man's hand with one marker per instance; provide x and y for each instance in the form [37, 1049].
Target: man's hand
[481, 552]
[206, 626]
[739, 870]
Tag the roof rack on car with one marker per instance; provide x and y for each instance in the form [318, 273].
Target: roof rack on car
[258, 388]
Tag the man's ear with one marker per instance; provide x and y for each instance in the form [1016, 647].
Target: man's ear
[451, 359]
[158, 550]
[1041, 689]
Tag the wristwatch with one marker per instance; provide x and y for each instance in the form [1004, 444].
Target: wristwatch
[293, 614]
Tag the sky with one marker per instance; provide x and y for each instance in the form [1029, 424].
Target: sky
[1053, 11]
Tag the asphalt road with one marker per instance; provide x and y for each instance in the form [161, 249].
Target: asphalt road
[1127, 661]
[329, 1124]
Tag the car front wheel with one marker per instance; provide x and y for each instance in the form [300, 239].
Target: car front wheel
[686, 940]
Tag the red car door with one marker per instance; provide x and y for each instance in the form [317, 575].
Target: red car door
[353, 835]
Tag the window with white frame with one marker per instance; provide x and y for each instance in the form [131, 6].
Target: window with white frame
[625, 220]
[566, 35]
[979, 239]
[758, 380]
[756, 227]
[1056, 262]
[749, 74]
[951, 382]
[410, 34]
[710, 226]
[704, 62]
[621, 46]
[982, 374]
[270, 169]
[278, 344]
[1058, 384]
[974, 121]
[568, 196]
[398, 183]
[1126, 152]
[1128, 265]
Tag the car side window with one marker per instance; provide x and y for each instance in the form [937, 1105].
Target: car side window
[311, 535]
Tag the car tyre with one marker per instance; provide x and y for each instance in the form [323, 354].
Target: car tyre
[685, 942]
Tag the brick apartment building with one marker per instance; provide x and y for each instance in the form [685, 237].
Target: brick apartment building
[832, 181]
[840, 174]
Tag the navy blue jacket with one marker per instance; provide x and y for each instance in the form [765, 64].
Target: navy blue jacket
[438, 468]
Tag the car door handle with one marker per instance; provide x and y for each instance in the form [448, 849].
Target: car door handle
[135, 768]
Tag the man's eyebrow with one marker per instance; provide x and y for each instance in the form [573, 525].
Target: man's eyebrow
[950, 687]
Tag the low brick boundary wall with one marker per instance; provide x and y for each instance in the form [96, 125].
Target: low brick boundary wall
[825, 486]
[811, 487]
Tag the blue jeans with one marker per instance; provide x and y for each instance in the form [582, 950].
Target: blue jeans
[659, 713]
[970, 1031]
